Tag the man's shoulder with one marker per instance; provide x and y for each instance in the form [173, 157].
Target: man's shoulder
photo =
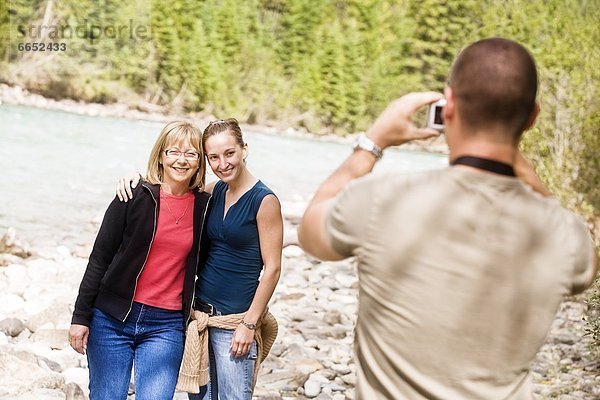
[396, 179]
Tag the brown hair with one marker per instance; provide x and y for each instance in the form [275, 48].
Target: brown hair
[175, 132]
[229, 125]
[494, 82]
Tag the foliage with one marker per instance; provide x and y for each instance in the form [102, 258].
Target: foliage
[593, 317]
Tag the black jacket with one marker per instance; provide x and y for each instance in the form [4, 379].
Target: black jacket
[120, 252]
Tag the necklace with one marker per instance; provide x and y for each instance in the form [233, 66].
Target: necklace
[173, 215]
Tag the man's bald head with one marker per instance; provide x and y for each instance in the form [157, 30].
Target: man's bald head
[494, 82]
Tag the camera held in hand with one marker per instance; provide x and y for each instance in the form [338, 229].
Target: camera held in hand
[435, 117]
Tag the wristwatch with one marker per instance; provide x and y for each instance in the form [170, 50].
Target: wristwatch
[249, 325]
[364, 143]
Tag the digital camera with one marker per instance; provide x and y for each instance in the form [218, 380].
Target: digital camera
[435, 117]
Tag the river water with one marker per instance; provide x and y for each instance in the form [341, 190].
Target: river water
[59, 170]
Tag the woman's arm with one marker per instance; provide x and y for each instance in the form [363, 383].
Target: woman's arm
[130, 181]
[270, 232]
[105, 247]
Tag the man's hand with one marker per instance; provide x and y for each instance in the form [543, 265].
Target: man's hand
[125, 184]
[394, 126]
[78, 337]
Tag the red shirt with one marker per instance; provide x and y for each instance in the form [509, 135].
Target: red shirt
[161, 281]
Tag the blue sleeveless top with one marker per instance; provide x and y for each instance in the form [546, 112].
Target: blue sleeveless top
[229, 278]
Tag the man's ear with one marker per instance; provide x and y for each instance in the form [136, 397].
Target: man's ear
[449, 108]
[533, 116]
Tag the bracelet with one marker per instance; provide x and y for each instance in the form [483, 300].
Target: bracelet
[249, 325]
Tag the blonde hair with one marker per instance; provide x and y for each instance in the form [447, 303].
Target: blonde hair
[176, 132]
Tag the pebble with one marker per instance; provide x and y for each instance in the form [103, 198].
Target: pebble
[312, 388]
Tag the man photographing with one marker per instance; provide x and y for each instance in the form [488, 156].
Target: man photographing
[461, 270]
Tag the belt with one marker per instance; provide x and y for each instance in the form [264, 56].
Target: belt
[206, 308]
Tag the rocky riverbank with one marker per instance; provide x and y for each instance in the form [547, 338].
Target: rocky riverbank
[315, 303]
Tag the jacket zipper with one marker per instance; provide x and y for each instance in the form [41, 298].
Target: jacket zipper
[147, 254]
[197, 260]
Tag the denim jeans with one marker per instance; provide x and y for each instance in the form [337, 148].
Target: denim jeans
[151, 339]
[230, 377]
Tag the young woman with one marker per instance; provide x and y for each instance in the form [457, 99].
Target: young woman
[137, 291]
[243, 237]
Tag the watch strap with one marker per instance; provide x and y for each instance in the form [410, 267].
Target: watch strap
[363, 142]
[249, 325]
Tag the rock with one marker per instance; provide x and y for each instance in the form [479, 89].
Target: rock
[12, 326]
[349, 379]
[24, 335]
[332, 317]
[336, 332]
[293, 251]
[54, 338]
[63, 251]
[8, 259]
[19, 377]
[3, 339]
[16, 275]
[565, 339]
[43, 394]
[308, 365]
[53, 313]
[37, 359]
[282, 377]
[312, 388]
[293, 279]
[11, 244]
[291, 296]
[290, 238]
[78, 376]
[74, 392]
[346, 280]
[11, 304]
[48, 364]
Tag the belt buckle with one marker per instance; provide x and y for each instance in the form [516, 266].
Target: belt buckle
[212, 309]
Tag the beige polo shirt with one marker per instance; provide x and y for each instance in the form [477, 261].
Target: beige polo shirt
[460, 275]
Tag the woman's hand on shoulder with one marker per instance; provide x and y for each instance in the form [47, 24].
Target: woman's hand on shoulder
[126, 184]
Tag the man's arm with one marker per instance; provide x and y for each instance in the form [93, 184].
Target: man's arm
[393, 127]
[525, 172]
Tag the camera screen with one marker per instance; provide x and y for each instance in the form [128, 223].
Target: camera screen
[438, 118]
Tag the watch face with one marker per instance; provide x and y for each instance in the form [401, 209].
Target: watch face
[363, 142]
[366, 144]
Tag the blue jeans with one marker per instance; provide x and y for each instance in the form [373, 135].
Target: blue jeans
[230, 377]
[151, 339]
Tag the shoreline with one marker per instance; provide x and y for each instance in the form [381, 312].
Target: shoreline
[19, 96]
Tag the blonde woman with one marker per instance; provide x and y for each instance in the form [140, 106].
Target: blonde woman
[137, 291]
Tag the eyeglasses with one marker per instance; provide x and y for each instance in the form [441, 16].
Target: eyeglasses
[188, 155]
